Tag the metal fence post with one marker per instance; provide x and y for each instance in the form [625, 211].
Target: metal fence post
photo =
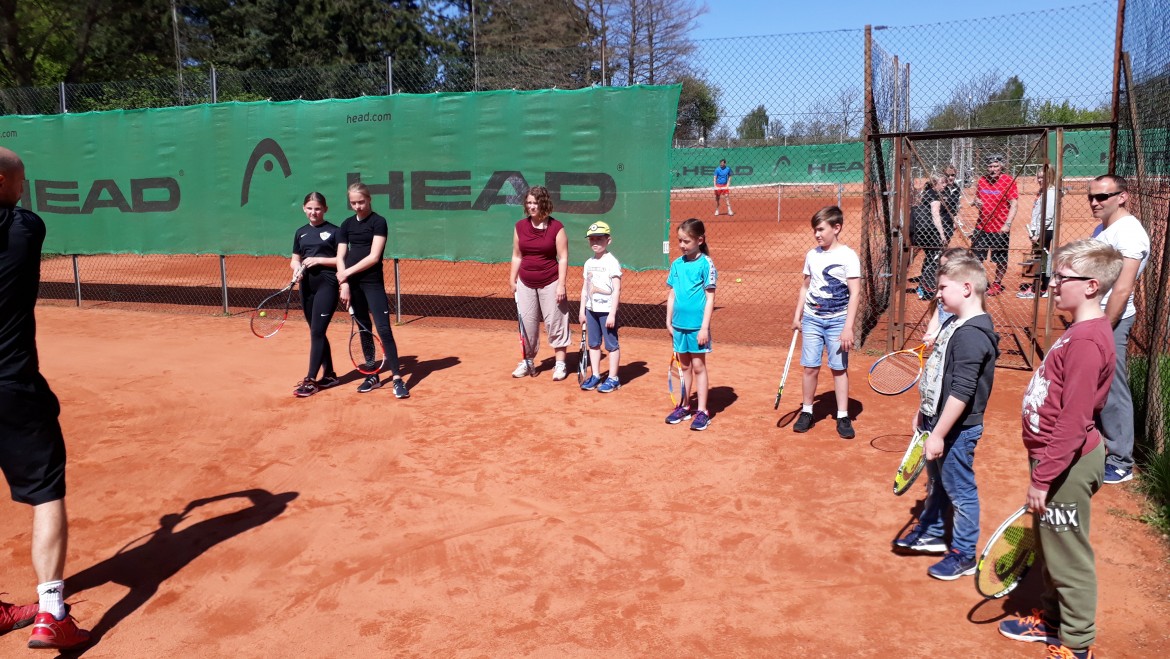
[214, 85]
[397, 294]
[61, 98]
[223, 282]
[389, 75]
[77, 280]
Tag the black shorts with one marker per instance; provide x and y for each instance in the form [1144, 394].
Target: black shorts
[997, 243]
[32, 449]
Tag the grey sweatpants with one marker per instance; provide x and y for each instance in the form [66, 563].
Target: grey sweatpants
[1117, 415]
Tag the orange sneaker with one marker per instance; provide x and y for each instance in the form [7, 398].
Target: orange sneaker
[50, 633]
[15, 616]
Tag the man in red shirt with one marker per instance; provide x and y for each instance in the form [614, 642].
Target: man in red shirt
[996, 197]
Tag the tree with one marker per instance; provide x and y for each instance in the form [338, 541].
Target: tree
[73, 41]
[652, 38]
[698, 109]
[985, 101]
[752, 126]
[1049, 113]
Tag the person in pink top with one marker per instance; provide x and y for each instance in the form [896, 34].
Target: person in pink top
[1066, 452]
[540, 266]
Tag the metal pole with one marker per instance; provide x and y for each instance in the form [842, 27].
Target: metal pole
[397, 294]
[389, 75]
[840, 189]
[61, 99]
[1116, 109]
[77, 280]
[214, 85]
[223, 282]
[779, 200]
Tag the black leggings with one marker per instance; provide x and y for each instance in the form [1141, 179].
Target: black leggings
[369, 296]
[319, 301]
[930, 256]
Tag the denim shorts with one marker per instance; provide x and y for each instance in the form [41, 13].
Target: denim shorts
[598, 332]
[820, 334]
[687, 341]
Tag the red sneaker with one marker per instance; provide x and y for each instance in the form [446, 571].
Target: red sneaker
[15, 616]
[995, 289]
[50, 633]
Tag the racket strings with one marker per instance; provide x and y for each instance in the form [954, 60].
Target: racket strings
[268, 318]
[366, 352]
[1008, 559]
[895, 373]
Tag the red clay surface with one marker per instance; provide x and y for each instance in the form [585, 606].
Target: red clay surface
[492, 517]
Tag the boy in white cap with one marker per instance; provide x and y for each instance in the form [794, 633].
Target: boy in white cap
[600, 291]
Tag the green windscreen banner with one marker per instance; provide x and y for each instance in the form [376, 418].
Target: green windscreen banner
[754, 165]
[449, 171]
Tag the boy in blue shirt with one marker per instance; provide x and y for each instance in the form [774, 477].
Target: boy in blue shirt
[723, 186]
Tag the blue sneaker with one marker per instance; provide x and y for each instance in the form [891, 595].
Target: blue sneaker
[1115, 475]
[679, 415]
[590, 383]
[1030, 629]
[609, 385]
[917, 541]
[702, 420]
[952, 566]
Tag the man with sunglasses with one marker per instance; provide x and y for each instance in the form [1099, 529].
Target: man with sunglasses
[1108, 196]
[996, 196]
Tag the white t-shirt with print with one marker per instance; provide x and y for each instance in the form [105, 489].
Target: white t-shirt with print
[601, 272]
[828, 272]
[1128, 236]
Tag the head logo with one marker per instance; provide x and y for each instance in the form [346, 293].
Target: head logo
[1071, 148]
[782, 160]
[266, 147]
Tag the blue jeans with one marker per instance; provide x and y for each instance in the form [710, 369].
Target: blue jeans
[820, 335]
[953, 490]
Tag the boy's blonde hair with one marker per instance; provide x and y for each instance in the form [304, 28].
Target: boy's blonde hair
[1091, 258]
[830, 214]
[967, 271]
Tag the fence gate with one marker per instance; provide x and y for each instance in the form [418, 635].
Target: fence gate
[1017, 271]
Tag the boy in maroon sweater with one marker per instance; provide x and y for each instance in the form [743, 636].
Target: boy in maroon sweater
[1066, 451]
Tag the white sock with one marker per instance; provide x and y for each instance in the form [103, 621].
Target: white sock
[560, 364]
[806, 408]
[842, 414]
[52, 600]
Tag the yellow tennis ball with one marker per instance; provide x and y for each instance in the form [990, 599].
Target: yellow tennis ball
[263, 314]
[739, 280]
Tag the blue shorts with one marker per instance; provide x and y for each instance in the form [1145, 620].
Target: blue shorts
[687, 341]
[820, 334]
[595, 327]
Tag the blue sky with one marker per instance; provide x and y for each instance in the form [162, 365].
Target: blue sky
[741, 18]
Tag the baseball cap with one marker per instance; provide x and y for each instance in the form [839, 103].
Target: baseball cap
[995, 157]
[597, 229]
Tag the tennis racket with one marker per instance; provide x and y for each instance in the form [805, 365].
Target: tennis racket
[897, 371]
[912, 462]
[269, 316]
[1008, 555]
[676, 367]
[365, 348]
[787, 365]
[524, 340]
[583, 361]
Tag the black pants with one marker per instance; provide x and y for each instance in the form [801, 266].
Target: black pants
[319, 302]
[930, 257]
[368, 297]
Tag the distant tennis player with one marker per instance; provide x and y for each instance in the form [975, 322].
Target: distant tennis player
[32, 449]
[723, 186]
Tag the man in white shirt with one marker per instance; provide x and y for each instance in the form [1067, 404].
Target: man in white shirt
[1108, 195]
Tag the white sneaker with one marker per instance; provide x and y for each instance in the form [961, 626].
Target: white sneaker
[716, 213]
[560, 372]
[521, 370]
[730, 213]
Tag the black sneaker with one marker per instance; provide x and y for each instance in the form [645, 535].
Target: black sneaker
[400, 390]
[845, 428]
[329, 380]
[803, 422]
[306, 388]
[369, 384]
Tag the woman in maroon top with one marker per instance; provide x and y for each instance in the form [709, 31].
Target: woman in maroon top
[540, 265]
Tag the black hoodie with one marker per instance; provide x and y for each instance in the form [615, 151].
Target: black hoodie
[969, 370]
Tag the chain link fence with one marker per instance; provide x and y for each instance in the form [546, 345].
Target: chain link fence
[1143, 157]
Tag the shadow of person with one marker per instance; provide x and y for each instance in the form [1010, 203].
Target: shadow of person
[720, 398]
[145, 566]
[416, 370]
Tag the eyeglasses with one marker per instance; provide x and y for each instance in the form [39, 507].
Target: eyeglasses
[1102, 197]
[1058, 278]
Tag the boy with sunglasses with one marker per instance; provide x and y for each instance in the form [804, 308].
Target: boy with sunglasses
[1108, 196]
[1066, 454]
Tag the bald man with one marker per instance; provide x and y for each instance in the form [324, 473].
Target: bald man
[32, 449]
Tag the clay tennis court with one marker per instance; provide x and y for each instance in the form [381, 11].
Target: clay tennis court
[214, 514]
